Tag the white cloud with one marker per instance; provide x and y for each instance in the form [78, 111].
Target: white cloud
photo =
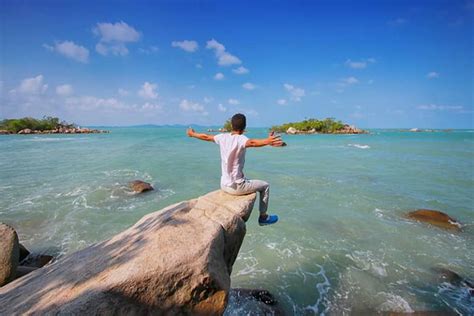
[114, 36]
[123, 92]
[88, 103]
[70, 50]
[219, 76]
[249, 86]
[190, 106]
[240, 70]
[224, 58]
[198, 66]
[64, 90]
[208, 99]
[221, 108]
[33, 85]
[150, 107]
[432, 75]
[233, 101]
[356, 64]
[188, 46]
[360, 64]
[295, 93]
[350, 80]
[370, 81]
[281, 101]
[150, 50]
[435, 107]
[116, 32]
[147, 91]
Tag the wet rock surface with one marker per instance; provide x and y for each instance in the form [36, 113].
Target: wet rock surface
[435, 218]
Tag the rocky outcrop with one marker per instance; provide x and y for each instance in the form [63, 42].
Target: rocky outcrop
[139, 186]
[25, 131]
[346, 129]
[9, 253]
[436, 218]
[174, 261]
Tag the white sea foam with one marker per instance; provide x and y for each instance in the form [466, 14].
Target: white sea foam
[359, 146]
[393, 303]
[367, 261]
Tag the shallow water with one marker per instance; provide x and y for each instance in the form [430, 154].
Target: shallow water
[342, 245]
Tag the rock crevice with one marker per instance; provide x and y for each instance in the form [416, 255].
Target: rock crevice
[177, 260]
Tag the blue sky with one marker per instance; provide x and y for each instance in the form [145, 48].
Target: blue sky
[368, 63]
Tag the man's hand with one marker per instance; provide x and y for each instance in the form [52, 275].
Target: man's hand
[274, 140]
[190, 132]
[271, 140]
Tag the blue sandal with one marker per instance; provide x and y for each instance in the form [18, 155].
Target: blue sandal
[271, 219]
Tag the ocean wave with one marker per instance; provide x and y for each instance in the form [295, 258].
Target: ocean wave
[53, 139]
[359, 146]
[367, 261]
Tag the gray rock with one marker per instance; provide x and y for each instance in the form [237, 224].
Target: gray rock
[9, 253]
[174, 261]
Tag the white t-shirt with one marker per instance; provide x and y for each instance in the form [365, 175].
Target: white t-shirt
[232, 157]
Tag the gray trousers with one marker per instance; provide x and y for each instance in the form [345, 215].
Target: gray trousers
[251, 186]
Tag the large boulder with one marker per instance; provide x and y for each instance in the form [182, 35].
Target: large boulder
[139, 186]
[291, 130]
[9, 253]
[436, 218]
[25, 131]
[174, 261]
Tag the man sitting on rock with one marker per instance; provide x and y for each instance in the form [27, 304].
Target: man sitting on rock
[233, 146]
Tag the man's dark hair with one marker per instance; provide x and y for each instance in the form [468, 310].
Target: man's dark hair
[239, 122]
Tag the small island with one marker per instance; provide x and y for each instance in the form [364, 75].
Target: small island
[315, 126]
[46, 125]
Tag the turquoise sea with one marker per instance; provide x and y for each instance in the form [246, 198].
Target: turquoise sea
[342, 245]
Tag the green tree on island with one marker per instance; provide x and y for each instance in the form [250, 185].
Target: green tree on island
[45, 124]
[328, 125]
[227, 125]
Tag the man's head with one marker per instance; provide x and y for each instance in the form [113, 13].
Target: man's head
[239, 122]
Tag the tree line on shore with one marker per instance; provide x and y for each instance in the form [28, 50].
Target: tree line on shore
[46, 125]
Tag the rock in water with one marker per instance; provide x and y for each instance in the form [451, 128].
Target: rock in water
[254, 302]
[435, 218]
[140, 186]
[9, 253]
[174, 261]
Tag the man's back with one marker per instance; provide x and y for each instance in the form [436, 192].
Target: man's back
[232, 148]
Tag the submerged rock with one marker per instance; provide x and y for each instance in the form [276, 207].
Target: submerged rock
[140, 186]
[446, 275]
[174, 261]
[436, 218]
[9, 253]
[254, 302]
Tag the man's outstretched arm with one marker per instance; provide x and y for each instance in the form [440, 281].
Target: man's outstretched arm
[271, 140]
[202, 136]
